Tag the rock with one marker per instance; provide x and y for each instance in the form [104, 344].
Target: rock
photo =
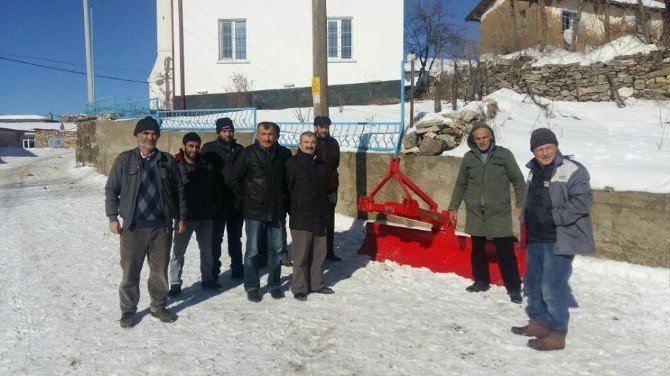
[428, 123]
[450, 140]
[434, 129]
[626, 92]
[410, 140]
[431, 146]
[490, 108]
[412, 150]
[430, 135]
[469, 116]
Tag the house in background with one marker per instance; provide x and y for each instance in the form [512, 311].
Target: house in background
[264, 48]
[513, 25]
[30, 131]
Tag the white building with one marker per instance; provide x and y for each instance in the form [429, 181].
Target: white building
[269, 44]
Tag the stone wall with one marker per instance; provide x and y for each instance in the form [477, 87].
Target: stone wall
[629, 226]
[639, 76]
[68, 139]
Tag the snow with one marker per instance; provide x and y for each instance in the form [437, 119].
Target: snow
[60, 305]
[32, 126]
[624, 46]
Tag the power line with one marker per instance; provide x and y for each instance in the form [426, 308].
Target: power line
[71, 71]
[130, 70]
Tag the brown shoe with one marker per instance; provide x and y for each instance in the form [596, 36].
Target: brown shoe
[553, 341]
[535, 328]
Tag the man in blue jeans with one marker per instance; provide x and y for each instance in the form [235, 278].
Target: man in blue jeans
[260, 184]
[557, 227]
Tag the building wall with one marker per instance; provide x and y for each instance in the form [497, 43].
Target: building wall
[627, 224]
[497, 25]
[11, 138]
[279, 43]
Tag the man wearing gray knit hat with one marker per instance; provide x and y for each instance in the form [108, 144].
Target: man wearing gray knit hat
[557, 222]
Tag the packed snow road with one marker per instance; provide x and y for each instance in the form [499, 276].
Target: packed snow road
[59, 310]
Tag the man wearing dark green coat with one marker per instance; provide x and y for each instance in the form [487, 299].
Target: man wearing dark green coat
[483, 183]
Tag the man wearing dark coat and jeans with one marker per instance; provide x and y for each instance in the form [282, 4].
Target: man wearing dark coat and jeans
[308, 217]
[223, 152]
[260, 183]
[144, 187]
[201, 189]
[557, 223]
[483, 183]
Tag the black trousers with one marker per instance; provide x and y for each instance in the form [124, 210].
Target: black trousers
[507, 262]
[330, 228]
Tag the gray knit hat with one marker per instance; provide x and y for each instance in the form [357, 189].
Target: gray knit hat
[542, 136]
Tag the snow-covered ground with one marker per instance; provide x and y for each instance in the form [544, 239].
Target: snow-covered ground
[59, 310]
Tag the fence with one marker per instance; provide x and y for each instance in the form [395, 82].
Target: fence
[377, 136]
[123, 110]
[205, 120]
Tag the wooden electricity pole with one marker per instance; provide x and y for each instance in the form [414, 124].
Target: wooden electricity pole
[320, 58]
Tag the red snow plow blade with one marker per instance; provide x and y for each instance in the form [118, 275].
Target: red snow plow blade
[438, 249]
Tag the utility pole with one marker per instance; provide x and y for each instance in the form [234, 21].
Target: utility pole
[181, 55]
[320, 58]
[89, 52]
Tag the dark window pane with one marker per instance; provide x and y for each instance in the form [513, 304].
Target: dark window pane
[226, 35]
[240, 40]
[346, 39]
[332, 39]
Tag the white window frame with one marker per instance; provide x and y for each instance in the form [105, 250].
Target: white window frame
[233, 41]
[339, 52]
[28, 141]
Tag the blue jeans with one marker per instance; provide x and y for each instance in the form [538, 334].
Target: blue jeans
[546, 286]
[272, 232]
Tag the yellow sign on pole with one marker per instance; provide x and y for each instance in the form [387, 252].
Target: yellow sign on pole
[316, 85]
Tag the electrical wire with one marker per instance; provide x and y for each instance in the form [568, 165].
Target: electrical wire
[72, 71]
[103, 67]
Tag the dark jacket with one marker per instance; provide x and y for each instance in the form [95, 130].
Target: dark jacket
[123, 185]
[571, 198]
[328, 150]
[306, 180]
[485, 189]
[223, 156]
[260, 182]
[201, 187]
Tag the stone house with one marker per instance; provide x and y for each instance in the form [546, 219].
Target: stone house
[513, 25]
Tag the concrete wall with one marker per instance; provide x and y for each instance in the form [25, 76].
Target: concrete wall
[629, 226]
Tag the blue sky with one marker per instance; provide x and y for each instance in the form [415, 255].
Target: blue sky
[51, 33]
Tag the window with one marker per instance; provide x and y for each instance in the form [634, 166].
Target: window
[232, 39]
[568, 18]
[28, 141]
[339, 38]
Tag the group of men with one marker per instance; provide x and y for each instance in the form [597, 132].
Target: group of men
[553, 207]
[219, 188]
[226, 185]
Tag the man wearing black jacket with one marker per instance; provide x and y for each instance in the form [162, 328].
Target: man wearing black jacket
[260, 184]
[308, 219]
[222, 152]
[328, 149]
[201, 189]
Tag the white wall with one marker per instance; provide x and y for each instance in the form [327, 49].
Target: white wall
[279, 43]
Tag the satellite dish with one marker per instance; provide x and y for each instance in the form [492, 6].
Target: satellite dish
[567, 35]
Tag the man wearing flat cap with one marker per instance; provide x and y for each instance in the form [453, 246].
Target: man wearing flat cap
[144, 188]
[557, 222]
[328, 149]
[222, 153]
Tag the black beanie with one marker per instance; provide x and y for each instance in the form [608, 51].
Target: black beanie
[147, 124]
[224, 123]
[542, 136]
[321, 121]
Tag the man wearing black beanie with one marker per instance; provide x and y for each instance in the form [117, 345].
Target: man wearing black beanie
[144, 188]
[556, 217]
[222, 153]
[328, 149]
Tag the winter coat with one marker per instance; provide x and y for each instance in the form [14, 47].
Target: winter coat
[484, 186]
[260, 182]
[223, 156]
[201, 187]
[571, 199]
[328, 149]
[123, 185]
[309, 205]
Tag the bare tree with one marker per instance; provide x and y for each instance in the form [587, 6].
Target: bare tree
[429, 33]
[543, 24]
[641, 18]
[608, 26]
[575, 26]
[665, 38]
